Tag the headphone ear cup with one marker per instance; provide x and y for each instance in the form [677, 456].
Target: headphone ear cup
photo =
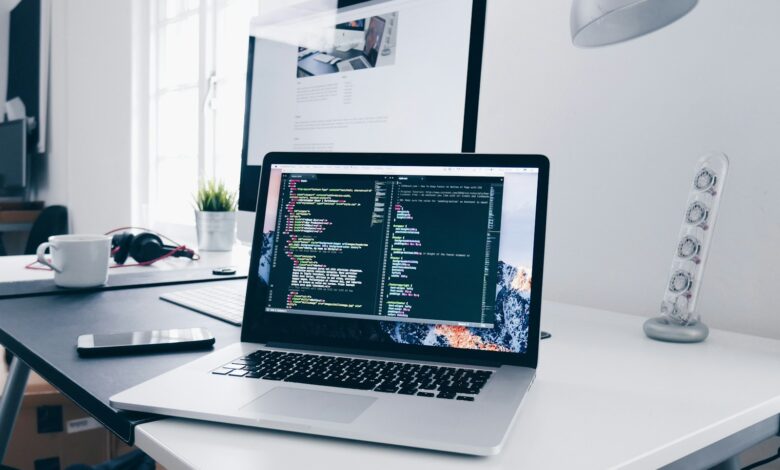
[121, 243]
[146, 247]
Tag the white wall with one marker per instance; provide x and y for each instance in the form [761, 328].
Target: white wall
[89, 161]
[623, 127]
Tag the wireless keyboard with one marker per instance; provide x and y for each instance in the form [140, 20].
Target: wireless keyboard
[223, 301]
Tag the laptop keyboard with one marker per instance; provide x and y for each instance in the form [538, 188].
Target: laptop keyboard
[360, 374]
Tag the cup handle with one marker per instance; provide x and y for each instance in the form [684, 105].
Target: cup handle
[41, 251]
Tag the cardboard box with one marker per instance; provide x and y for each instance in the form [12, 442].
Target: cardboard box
[52, 432]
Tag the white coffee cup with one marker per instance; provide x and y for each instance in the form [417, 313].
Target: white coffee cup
[77, 260]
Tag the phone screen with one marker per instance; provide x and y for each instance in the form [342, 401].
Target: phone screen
[151, 337]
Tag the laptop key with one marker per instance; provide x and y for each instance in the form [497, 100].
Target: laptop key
[238, 373]
[465, 398]
[446, 395]
[424, 394]
[273, 377]
[222, 371]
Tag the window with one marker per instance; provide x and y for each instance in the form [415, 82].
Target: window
[197, 72]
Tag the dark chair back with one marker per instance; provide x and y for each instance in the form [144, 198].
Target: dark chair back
[53, 220]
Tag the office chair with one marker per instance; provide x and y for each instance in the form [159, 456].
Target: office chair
[53, 220]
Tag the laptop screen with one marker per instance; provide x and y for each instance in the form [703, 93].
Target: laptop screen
[413, 255]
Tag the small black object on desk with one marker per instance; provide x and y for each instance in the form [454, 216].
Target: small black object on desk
[227, 271]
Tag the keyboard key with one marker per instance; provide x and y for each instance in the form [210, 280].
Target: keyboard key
[424, 394]
[446, 395]
[238, 373]
[465, 398]
[273, 377]
[222, 371]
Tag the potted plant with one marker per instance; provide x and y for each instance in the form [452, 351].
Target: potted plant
[215, 216]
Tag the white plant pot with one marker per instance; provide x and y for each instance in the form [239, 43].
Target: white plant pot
[216, 230]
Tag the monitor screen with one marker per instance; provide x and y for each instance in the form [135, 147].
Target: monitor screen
[13, 156]
[435, 256]
[419, 92]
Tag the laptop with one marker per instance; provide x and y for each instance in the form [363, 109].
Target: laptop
[391, 298]
[370, 54]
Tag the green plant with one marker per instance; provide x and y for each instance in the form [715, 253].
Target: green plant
[213, 196]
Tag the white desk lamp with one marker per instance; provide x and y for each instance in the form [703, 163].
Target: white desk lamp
[601, 22]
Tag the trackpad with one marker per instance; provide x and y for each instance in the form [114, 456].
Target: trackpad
[310, 404]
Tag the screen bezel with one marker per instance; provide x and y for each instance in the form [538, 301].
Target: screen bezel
[250, 174]
[259, 324]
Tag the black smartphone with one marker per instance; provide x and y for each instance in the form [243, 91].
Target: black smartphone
[138, 342]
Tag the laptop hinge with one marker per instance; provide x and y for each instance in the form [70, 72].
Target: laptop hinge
[382, 354]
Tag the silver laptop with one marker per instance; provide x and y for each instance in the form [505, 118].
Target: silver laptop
[391, 298]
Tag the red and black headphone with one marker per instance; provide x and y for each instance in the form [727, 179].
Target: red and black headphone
[146, 247]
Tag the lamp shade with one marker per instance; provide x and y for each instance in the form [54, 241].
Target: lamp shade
[601, 22]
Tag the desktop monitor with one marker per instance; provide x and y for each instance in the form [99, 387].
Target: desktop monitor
[419, 95]
[13, 157]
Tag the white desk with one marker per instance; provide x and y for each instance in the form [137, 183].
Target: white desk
[12, 268]
[605, 397]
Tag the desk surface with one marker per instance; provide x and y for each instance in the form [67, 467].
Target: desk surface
[51, 351]
[605, 396]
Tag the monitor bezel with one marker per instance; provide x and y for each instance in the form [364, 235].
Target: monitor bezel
[250, 174]
[258, 324]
